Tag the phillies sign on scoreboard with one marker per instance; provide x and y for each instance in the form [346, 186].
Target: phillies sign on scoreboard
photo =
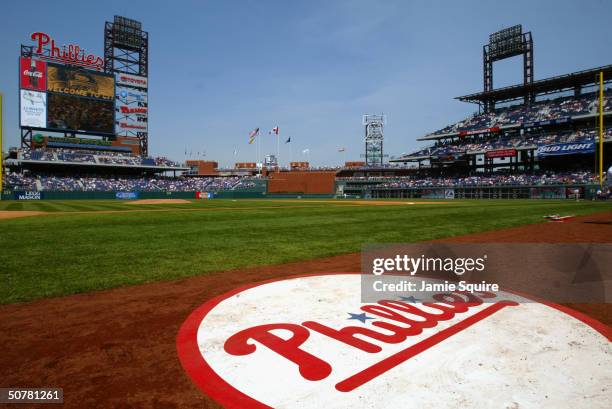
[46, 48]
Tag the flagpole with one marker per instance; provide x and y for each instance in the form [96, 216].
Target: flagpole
[278, 150]
[258, 153]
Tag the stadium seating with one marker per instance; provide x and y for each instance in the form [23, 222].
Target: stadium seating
[540, 111]
[17, 181]
[500, 142]
[94, 157]
[502, 179]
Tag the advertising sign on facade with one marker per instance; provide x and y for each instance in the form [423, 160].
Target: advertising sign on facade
[131, 110]
[565, 149]
[32, 74]
[33, 108]
[132, 80]
[501, 153]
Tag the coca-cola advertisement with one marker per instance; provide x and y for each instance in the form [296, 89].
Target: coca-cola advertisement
[33, 74]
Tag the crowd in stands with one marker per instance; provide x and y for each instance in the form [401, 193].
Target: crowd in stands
[540, 111]
[490, 143]
[93, 157]
[18, 181]
[162, 184]
[501, 179]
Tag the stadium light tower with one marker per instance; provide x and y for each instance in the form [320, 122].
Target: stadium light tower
[374, 137]
[126, 51]
[503, 44]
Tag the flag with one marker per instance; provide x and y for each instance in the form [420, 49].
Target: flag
[341, 149]
[306, 151]
[252, 135]
[274, 131]
[288, 140]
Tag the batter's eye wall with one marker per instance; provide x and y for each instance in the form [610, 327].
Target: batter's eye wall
[302, 182]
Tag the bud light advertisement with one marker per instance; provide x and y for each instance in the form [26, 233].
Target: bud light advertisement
[565, 149]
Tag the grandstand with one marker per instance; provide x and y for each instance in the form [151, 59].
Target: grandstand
[532, 140]
[537, 133]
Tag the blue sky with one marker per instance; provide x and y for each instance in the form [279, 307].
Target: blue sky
[221, 68]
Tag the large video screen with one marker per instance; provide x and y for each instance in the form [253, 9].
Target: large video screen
[65, 112]
[80, 82]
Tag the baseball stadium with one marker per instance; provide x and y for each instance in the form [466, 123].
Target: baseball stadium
[134, 280]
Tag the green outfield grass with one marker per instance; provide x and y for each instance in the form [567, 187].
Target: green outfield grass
[72, 251]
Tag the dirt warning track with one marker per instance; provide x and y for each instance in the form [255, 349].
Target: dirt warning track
[13, 214]
[158, 201]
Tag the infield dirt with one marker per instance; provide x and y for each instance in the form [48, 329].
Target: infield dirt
[159, 201]
[116, 348]
[12, 214]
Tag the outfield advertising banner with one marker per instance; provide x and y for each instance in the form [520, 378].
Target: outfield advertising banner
[33, 74]
[566, 149]
[132, 80]
[80, 82]
[126, 195]
[33, 108]
[21, 195]
[205, 195]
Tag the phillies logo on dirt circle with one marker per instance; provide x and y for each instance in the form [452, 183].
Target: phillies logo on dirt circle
[309, 342]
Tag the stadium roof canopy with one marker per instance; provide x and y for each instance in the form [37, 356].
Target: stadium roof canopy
[541, 87]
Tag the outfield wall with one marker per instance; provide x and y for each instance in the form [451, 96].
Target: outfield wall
[302, 182]
[482, 192]
[55, 195]
[224, 194]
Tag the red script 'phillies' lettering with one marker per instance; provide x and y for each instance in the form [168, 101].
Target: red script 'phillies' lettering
[313, 368]
[71, 54]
